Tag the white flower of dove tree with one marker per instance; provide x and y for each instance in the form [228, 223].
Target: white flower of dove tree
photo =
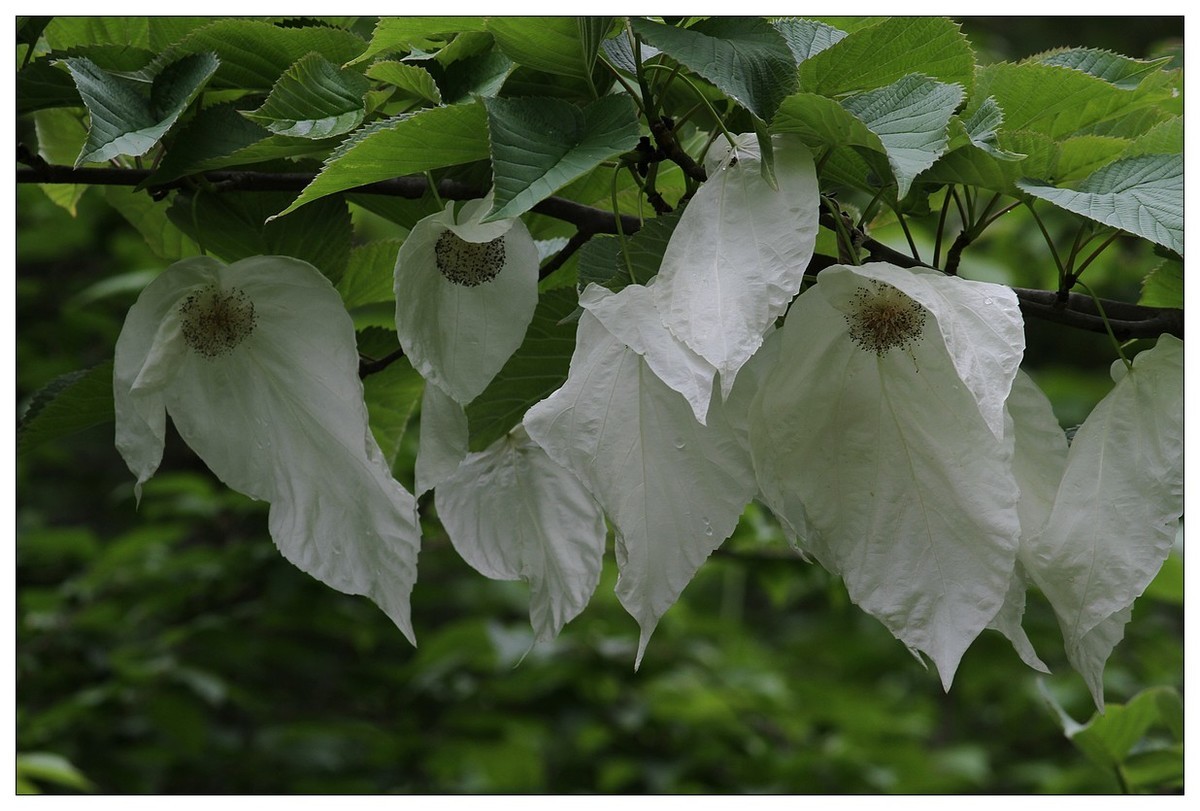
[878, 456]
[257, 365]
[465, 294]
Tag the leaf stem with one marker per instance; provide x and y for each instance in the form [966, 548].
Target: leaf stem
[941, 228]
[1062, 272]
[1107, 325]
[621, 230]
[845, 241]
[433, 190]
[912, 245]
[1092, 256]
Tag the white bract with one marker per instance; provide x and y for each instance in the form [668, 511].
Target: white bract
[1115, 514]
[513, 513]
[443, 438]
[672, 488]
[739, 252]
[257, 365]
[871, 448]
[465, 294]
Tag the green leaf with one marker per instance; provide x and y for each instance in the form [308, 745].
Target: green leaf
[413, 81]
[1059, 101]
[129, 118]
[254, 54]
[745, 57]
[601, 262]
[61, 134]
[428, 139]
[910, 117]
[392, 396]
[1142, 195]
[541, 144]
[314, 99]
[402, 34]
[981, 129]
[220, 136]
[480, 76]
[1163, 286]
[564, 46]
[42, 85]
[1165, 138]
[883, 53]
[238, 225]
[143, 33]
[537, 368]
[368, 276]
[46, 767]
[66, 405]
[151, 221]
[1108, 739]
[1114, 68]
[806, 38]
[1155, 770]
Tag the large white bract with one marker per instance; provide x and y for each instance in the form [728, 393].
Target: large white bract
[465, 294]
[256, 364]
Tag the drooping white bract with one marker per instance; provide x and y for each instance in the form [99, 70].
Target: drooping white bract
[465, 294]
[443, 438]
[257, 365]
[672, 488]
[514, 513]
[1039, 458]
[1116, 510]
[738, 255]
[872, 450]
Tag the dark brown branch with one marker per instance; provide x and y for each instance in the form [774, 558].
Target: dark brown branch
[576, 242]
[1078, 311]
[370, 367]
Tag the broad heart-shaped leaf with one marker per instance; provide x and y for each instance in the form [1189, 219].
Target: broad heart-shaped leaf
[807, 38]
[1120, 70]
[514, 513]
[368, 276]
[981, 129]
[42, 85]
[602, 262]
[400, 34]
[238, 225]
[910, 116]
[534, 372]
[883, 469]
[151, 220]
[220, 136]
[410, 79]
[745, 57]
[67, 404]
[739, 252]
[980, 325]
[1142, 195]
[888, 51]
[314, 98]
[1163, 286]
[672, 488]
[541, 144]
[129, 117]
[392, 395]
[1115, 513]
[61, 134]
[429, 139]
[564, 46]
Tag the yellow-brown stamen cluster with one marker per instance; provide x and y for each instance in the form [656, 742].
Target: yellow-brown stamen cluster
[882, 318]
[468, 263]
[215, 321]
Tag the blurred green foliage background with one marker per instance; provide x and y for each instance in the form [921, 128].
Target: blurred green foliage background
[171, 649]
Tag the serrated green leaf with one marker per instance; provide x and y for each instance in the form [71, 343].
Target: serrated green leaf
[1063, 159]
[910, 117]
[29, 29]
[128, 117]
[1163, 286]
[887, 51]
[411, 80]
[144, 33]
[392, 396]
[1108, 739]
[254, 54]
[220, 136]
[429, 139]
[66, 405]
[401, 34]
[479, 76]
[61, 134]
[42, 85]
[1142, 195]
[541, 144]
[237, 225]
[807, 38]
[151, 221]
[369, 273]
[1114, 68]
[982, 126]
[313, 99]
[537, 368]
[564, 46]
[745, 57]
[601, 261]
[1059, 101]
[1165, 138]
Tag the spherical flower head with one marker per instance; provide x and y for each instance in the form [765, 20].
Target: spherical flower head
[468, 263]
[881, 318]
[214, 322]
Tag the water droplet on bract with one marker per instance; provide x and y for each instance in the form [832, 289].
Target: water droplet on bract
[987, 300]
[679, 443]
[708, 530]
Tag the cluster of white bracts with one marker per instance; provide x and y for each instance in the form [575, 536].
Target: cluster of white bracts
[886, 424]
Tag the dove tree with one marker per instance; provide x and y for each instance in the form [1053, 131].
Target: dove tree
[644, 271]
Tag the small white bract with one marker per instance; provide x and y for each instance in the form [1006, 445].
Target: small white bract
[257, 365]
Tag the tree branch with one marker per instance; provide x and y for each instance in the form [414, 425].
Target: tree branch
[1078, 311]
